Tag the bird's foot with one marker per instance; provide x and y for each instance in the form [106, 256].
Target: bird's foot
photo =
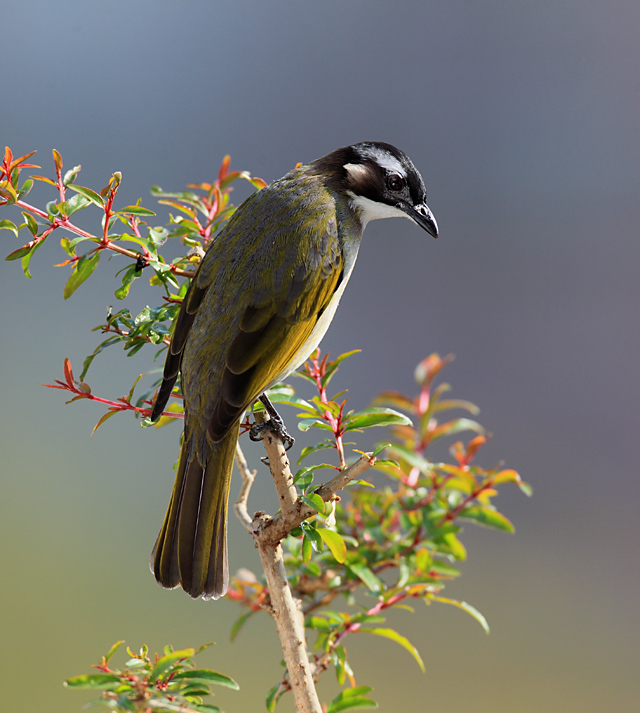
[275, 424]
[256, 431]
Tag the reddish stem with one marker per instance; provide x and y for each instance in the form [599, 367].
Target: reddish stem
[317, 371]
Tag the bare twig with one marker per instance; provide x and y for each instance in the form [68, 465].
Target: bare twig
[248, 476]
[281, 525]
[268, 532]
[286, 610]
[290, 623]
[280, 470]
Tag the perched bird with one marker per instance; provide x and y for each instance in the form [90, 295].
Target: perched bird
[258, 306]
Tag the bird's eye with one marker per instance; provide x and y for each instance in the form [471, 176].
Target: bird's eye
[395, 182]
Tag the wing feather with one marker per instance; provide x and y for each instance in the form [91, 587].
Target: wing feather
[253, 305]
[182, 325]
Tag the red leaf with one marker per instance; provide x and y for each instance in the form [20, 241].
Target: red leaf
[474, 445]
[57, 385]
[57, 159]
[68, 374]
[224, 168]
[43, 178]
[18, 161]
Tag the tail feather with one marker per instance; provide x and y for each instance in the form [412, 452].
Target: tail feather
[191, 549]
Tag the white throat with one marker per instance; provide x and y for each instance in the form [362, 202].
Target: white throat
[371, 210]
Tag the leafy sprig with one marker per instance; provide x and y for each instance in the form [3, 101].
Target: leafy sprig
[397, 543]
[168, 683]
[202, 210]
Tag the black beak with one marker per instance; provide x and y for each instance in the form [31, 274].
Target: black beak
[421, 215]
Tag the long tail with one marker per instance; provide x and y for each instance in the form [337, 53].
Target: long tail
[191, 549]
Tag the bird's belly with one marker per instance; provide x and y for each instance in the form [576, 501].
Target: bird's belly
[318, 331]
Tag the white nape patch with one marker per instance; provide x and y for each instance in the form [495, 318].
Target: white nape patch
[356, 170]
[372, 210]
[385, 160]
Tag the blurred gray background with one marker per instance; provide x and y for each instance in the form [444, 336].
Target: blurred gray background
[523, 118]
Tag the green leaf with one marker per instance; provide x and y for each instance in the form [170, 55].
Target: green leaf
[197, 689]
[26, 258]
[70, 176]
[314, 501]
[80, 239]
[113, 649]
[307, 549]
[376, 416]
[366, 576]
[379, 448]
[308, 450]
[423, 559]
[334, 542]
[158, 236]
[509, 475]
[461, 605]
[364, 483]
[127, 280]
[8, 225]
[76, 203]
[135, 210]
[303, 478]
[203, 675]
[301, 474]
[94, 680]
[312, 536]
[272, 698]
[107, 343]
[88, 194]
[351, 703]
[105, 417]
[163, 664]
[487, 517]
[21, 252]
[307, 423]
[526, 488]
[454, 545]
[444, 568]
[333, 365]
[239, 623]
[398, 638]
[387, 461]
[81, 271]
[352, 693]
[31, 223]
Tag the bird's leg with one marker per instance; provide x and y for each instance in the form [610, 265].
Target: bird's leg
[275, 424]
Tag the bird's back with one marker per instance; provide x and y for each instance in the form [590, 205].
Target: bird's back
[262, 285]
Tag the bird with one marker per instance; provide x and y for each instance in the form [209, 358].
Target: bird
[262, 298]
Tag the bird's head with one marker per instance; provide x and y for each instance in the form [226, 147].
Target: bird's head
[380, 181]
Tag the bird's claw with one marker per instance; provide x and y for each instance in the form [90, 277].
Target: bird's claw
[275, 425]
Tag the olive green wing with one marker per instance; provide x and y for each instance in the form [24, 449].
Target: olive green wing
[184, 320]
[272, 331]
